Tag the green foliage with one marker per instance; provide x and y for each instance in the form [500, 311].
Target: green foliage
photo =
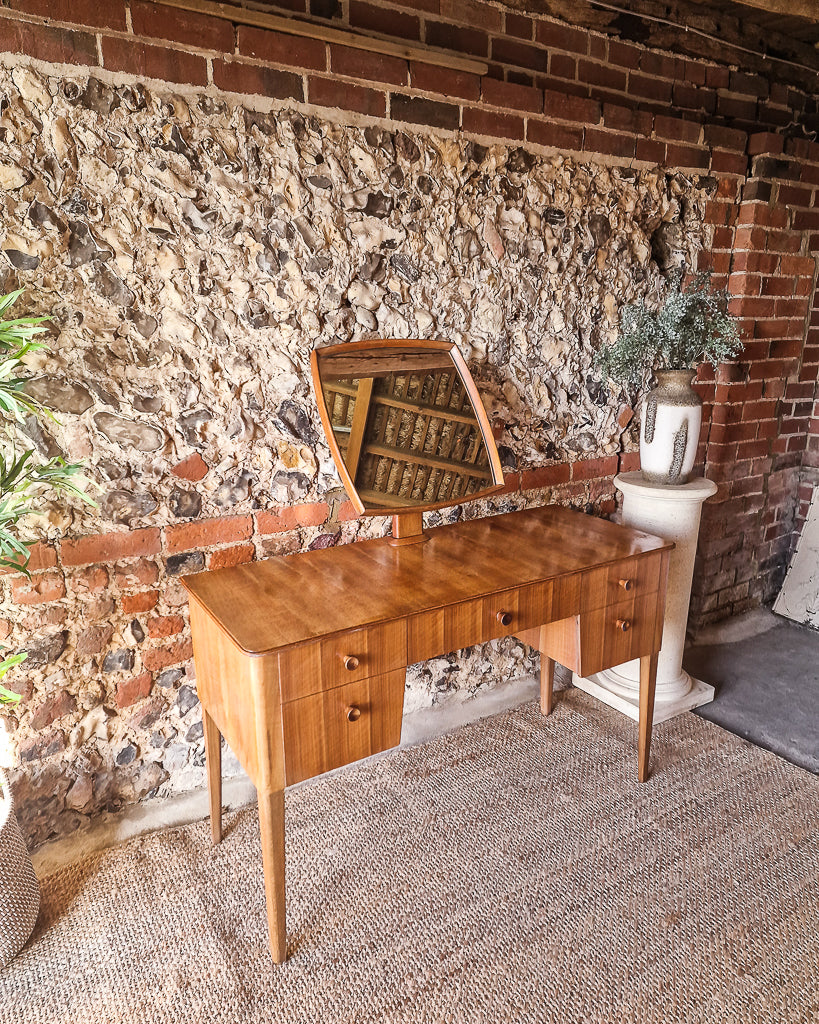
[23, 480]
[691, 326]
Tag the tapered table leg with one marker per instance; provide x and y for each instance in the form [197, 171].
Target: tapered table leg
[547, 681]
[271, 827]
[648, 681]
[213, 760]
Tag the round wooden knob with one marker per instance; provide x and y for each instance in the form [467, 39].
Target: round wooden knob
[353, 713]
[626, 584]
[623, 625]
[504, 618]
[351, 663]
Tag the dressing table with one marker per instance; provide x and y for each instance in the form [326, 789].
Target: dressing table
[301, 660]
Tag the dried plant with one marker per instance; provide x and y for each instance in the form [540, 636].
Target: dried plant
[691, 326]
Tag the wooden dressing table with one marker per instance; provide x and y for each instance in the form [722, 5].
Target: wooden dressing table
[301, 660]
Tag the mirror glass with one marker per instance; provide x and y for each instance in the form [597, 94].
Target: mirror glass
[405, 424]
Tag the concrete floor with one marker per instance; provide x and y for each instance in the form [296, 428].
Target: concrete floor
[765, 669]
[766, 673]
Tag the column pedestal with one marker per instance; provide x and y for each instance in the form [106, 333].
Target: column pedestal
[673, 513]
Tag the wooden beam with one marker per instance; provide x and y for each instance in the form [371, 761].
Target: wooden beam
[291, 27]
[793, 8]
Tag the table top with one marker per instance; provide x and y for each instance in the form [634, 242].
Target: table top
[286, 600]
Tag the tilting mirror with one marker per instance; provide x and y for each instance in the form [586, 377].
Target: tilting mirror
[405, 424]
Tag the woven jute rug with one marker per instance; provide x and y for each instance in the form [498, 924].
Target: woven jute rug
[510, 871]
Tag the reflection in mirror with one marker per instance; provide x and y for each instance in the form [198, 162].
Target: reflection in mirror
[407, 424]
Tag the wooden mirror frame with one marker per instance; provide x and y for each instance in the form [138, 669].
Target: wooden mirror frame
[406, 521]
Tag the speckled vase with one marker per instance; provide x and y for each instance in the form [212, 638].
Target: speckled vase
[670, 431]
[19, 889]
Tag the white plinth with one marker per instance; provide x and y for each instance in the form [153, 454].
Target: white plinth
[673, 513]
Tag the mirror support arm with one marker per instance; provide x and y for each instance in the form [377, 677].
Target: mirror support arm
[408, 528]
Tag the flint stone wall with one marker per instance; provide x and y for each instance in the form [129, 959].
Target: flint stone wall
[191, 254]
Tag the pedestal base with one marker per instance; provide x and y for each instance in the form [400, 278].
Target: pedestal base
[698, 693]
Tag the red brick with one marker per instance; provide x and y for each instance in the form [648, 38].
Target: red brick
[329, 92]
[160, 62]
[139, 573]
[590, 469]
[650, 151]
[157, 658]
[765, 142]
[472, 12]
[650, 88]
[663, 66]
[40, 556]
[523, 55]
[98, 13]
[40, 589]
[91, 580]
[278, 48]
[571, 108]
[45, 42]
[144, 601]
[627, 119]
[516, 97]
[110, 547]
[164, 625]
[545, 133]
[613, 143]
[238, 555]
[292, 517]
[487, 122]
[131, 690]
[387, 22]
[693, 98]
[677, 128]
[355, 63]
[423, 111]
[346, 512]
[160, 22]
[254, 80]
[562, 37]
[624, 54]
[192, 468]
[687, 156]
[545, 476]
[207, 533]
[601, 74]
[431, 78]
[561, 65]
[52, 708]
[728, 163]
[517, 25]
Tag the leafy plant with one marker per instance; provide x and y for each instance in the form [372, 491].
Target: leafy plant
[692, 325]
[23, 480]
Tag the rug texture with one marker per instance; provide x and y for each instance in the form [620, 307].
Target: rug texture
[510, 871]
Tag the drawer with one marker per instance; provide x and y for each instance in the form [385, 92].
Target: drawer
[442, 630]
[359, 654]
[613, 635]
[511, 611]
[632, 577]
[337, 726]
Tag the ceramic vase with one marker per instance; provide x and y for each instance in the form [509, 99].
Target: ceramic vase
[670, 431]
[19, 890]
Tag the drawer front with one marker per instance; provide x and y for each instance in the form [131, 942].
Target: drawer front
[337, 726]
[514, 610]
[359, 654]
[626, 630]
[443, 630]
[632, 578]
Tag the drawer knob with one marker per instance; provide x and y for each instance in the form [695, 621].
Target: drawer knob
[626, 584]
[351, 663]
[623, 625]
[504, 618]
[353, 713]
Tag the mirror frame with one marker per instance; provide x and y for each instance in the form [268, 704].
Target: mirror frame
[474, 397]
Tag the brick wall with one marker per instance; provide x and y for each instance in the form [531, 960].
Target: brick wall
[552, 85]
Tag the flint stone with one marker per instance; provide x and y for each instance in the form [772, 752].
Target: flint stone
[404, 267]
[137, 632]
[406, 148]
[319, 181]
[231, 492]
[185, 504]
[111, 287]
[296, 422]
[104, 395]
[128, 432]
[144, 322]
[43, 216]
[169, 678]
[668, 246]
[553, 215]
[288, 487]
[127, 755]
[126, 506]
[191, 423]
[118, 661]
[312, 239]
[324, 540]
[374, 268]
[600, 229]
[187, 562]
[425, 184]
[186, 698]
[146, 403]
[318, 264]
[21, 260]
[378, 205]
[195, 732]
[94, 640]
[147, 714]
[45, 650]
[60, 394]
[38, 747]
[519, 161]
[268, 262]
